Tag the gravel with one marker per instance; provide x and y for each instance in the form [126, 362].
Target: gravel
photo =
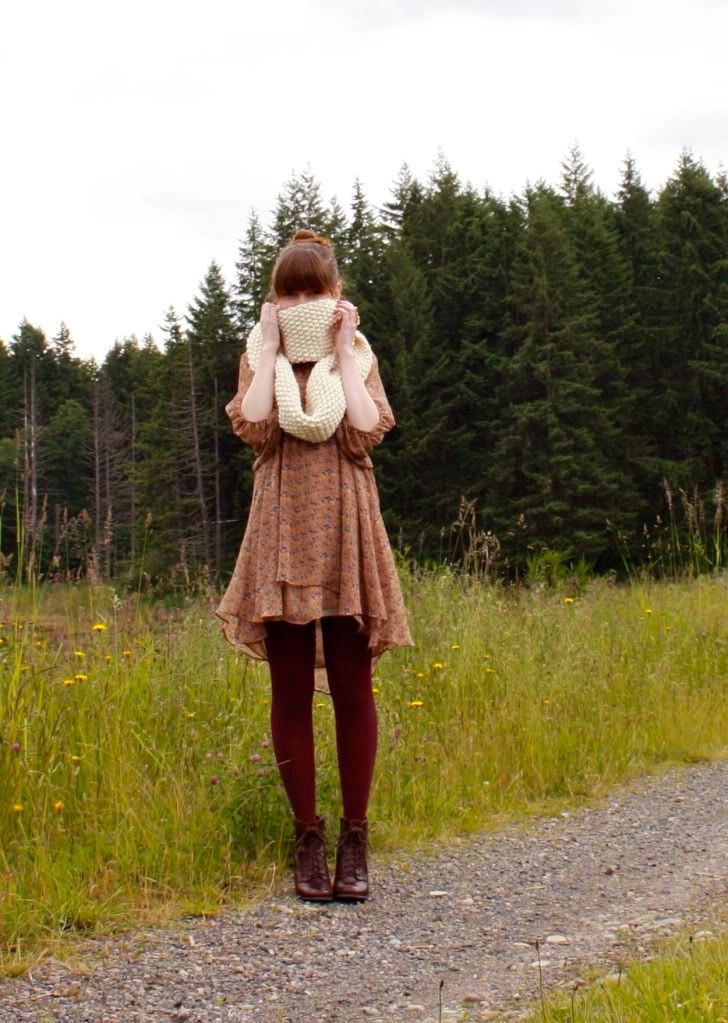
[476, 923]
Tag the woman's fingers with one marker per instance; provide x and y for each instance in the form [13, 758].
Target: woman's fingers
[347, 312]
[269, 324]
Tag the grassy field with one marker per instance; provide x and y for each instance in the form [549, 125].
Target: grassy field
[137, 776]
[684, 980]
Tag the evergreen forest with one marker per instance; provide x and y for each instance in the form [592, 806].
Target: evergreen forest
[556, 360]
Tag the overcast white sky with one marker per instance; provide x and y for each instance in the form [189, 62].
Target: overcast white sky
[137, 137]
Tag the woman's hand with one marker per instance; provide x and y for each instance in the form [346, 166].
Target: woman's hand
[269, 326]
[345, 321]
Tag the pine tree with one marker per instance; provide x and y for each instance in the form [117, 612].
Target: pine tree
[576, 175]
[29, 349]
[693, 270]
[166, 490]
[553, 483]
[360, 263]
[401, 320]
[592, 224]
[640, 350]
[396, 214]
[213, 353]
[298, 205]
[254, 257]
[335, 227]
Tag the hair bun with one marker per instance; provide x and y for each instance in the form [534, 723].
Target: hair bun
[304, 234]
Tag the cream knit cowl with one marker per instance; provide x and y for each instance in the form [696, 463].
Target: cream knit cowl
[306, 337]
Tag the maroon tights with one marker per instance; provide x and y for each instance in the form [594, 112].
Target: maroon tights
[291, 654]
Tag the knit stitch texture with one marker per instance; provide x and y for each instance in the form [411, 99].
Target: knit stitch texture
[306, 337]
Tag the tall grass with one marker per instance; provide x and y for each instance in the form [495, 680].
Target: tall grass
[137, 774]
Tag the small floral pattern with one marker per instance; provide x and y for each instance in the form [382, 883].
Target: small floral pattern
[315, 543]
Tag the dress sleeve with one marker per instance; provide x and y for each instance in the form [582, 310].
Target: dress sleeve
[263, 435]
[358, 443]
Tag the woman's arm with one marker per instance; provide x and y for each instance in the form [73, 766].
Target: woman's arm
[361, 410]
[358, 444]
[263, 434]
[258, 399]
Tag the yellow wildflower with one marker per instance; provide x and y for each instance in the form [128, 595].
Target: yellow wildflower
[108, 657]
[375, 689]
[75, 758]
[568, 600]
[416, 703]
[80, 675]
[490, 670]
[78, 653]
[99, 627]
[454, 646]
[419, 674]
[18, 807]
[648, 610]
[58, 805]
[190, 714]
[438, 664]
[126, 653]
[69, 681]
[320, 704]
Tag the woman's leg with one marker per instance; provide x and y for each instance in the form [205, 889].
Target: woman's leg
[291, 652]
[349, 670]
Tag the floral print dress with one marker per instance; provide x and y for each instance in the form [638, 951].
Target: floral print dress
[315, 543]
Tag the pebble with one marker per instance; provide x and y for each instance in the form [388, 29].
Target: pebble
[296, 960]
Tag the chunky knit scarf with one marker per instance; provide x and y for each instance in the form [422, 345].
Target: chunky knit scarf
[306, 337]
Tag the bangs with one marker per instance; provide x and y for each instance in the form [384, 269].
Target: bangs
[301, 269]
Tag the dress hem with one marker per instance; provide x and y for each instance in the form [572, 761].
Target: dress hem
[255, 648]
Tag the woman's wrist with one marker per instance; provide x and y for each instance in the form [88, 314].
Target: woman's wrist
[346, 352]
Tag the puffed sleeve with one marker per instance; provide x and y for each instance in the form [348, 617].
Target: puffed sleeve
[264, 435]
[358, 443]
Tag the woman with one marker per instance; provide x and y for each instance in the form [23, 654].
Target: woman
[315, 583]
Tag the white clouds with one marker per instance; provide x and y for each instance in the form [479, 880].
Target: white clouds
[138, 138]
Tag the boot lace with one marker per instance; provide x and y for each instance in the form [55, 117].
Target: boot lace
[352, 845]
[310, 850]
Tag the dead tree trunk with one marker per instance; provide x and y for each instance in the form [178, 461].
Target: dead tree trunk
[97, 476]
[30, 466]
[197, 459]
[218, 486]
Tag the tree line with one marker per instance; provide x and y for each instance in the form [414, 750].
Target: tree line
[556, 358]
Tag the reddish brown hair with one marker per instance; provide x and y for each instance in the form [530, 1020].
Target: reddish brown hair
[306, 263]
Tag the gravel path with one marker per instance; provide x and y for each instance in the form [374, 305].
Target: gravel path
[591, 885]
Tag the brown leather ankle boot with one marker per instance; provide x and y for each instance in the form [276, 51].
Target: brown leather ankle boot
[311, 870]
[351, 880]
